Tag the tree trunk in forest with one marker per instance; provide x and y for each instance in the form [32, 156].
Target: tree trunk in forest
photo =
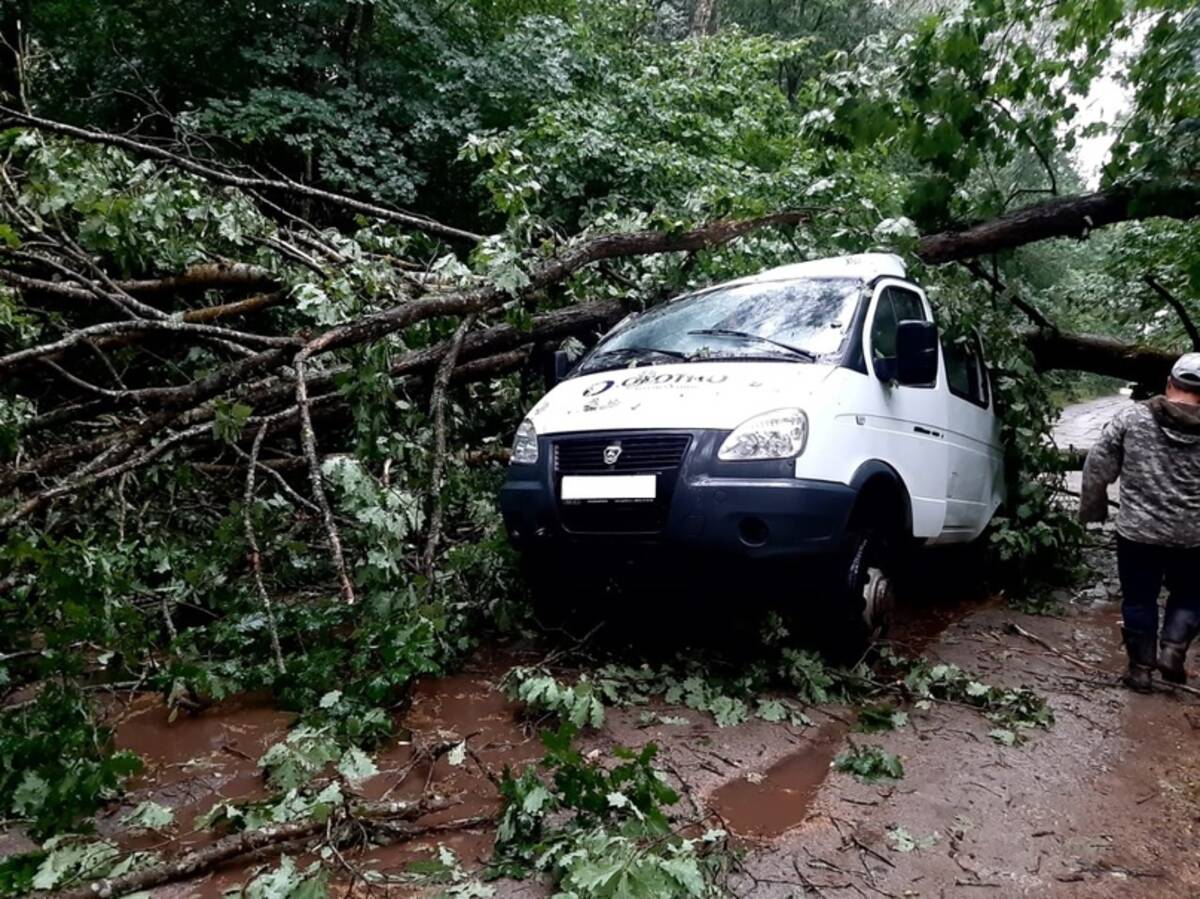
[363, 48]
[10, 53]
[704, 18]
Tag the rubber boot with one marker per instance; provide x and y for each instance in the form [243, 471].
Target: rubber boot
[1178, 630]
[1172, 657]
[1142, 660]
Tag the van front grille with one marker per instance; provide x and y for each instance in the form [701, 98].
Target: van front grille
[634, 453]
[657, 454]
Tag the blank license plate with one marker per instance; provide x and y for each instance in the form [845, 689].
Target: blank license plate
[626, 487]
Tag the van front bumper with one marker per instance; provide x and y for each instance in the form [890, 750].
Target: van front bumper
[752, 510]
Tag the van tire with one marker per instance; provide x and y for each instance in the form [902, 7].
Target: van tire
[863, 597]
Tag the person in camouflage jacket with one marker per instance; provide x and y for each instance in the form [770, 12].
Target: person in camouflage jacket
[1154, 448]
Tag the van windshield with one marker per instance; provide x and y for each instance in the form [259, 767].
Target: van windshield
[799, 320]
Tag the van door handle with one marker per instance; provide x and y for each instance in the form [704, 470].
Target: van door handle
[922, 430]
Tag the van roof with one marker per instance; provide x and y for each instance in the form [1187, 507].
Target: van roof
[860, 266]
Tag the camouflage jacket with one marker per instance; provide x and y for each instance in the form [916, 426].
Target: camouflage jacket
[1154, 448]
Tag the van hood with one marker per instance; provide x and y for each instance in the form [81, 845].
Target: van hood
[715, 395]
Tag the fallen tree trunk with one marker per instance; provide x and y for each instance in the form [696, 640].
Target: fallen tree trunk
[205, 276]
[572, 321]
[115, 429]
[1074, 216]
[216, 275]
[506, 348]
[1056, 350]
[484, 354]
[553, 271]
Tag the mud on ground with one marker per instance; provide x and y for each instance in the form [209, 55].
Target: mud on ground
[1105, 803]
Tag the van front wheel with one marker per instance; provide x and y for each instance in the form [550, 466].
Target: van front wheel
[864, 599]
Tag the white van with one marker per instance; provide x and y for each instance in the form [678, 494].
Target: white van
[805, 413]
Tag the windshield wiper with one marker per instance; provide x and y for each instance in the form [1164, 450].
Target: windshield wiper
[612, 358]
[746, 335]
[642, 351]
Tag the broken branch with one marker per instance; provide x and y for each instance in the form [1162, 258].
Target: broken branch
[437, 403]
[239, 845]
[228, 179]
[1171, 300]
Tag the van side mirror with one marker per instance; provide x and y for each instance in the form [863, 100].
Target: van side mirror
[916, 353]
[560, 367]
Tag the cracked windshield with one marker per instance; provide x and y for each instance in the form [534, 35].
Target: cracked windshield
[803, 319]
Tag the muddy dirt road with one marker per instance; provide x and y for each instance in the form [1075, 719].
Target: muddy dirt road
[1106, 803]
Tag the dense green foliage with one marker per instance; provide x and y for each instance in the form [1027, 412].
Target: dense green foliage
[55, 761]
[600, 831]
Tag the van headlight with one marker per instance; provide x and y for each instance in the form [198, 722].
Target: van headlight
[525, 448]
[780, 434]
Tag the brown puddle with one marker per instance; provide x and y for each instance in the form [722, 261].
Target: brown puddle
[240, 728]
[201, 759]
[191, 763]
[918, 624]
[780, 800]
[469, 704]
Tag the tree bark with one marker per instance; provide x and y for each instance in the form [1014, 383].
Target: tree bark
[1064, 217]
[308, 441]
[256, 553]
[1100, 355]
[204, 276]
[10, 52]
[703, 18]
[437, 408]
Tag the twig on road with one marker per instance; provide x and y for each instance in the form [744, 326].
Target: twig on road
[1028, 635]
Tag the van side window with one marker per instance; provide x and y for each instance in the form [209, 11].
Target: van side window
[966, 374]
[883, 328]
[908, 305]
[895, 305]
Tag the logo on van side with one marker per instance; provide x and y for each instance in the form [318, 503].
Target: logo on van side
[673, 380]
[681, 379]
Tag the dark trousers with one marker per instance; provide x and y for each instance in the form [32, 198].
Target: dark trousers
[1144, 568]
